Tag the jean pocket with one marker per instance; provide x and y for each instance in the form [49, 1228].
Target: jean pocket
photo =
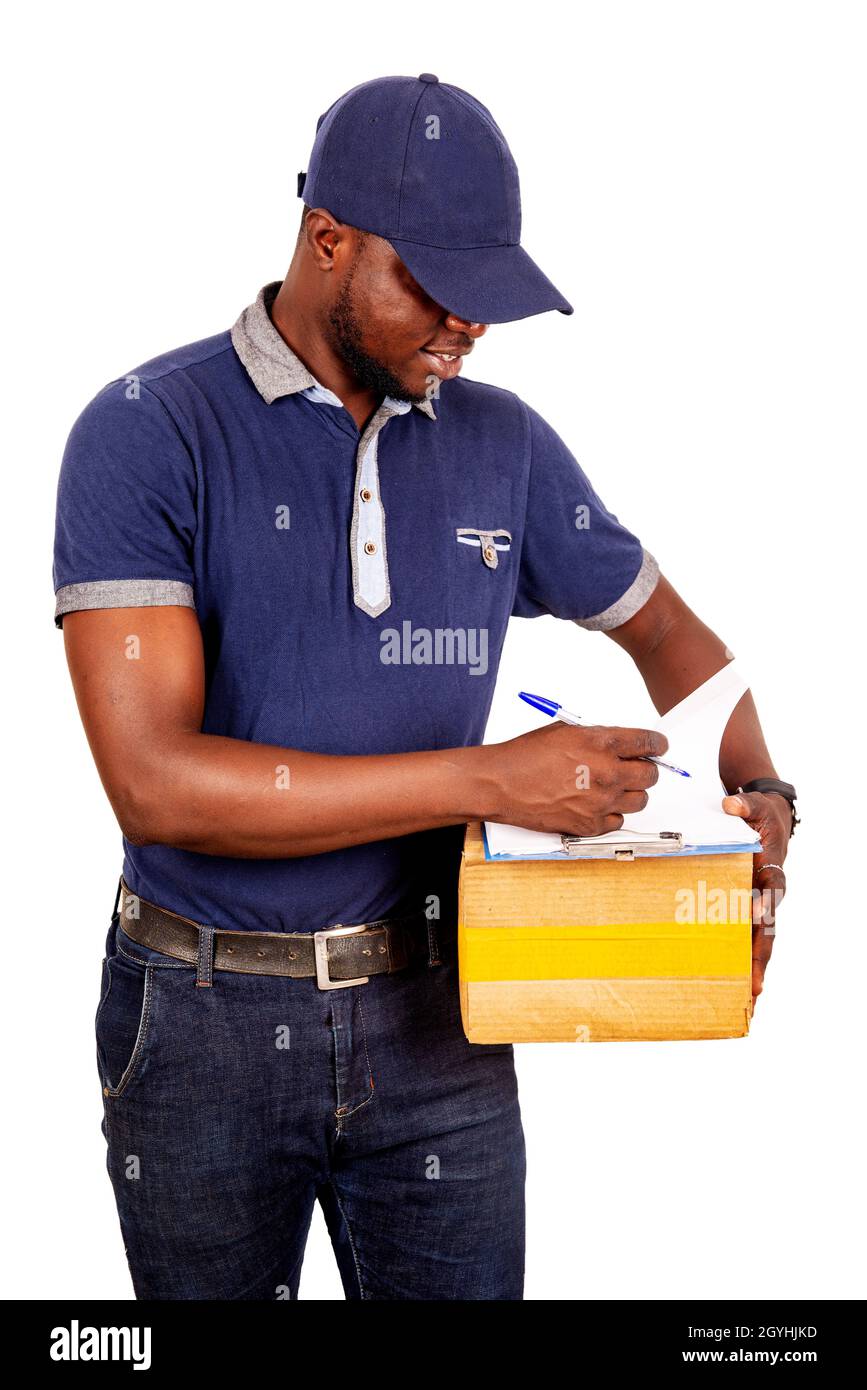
[123, 1022]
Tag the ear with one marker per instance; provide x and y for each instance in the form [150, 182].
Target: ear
[326, 238]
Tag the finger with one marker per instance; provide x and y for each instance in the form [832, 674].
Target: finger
[636, 776]
[628, 802]
[611, 821]
[749, 805]
[766, 899]
[636, 743]
[770, 881]
[763, 945]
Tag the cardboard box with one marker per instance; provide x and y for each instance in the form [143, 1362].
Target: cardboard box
[600, 950]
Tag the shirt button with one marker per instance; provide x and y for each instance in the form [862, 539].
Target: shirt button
[489, 552]
[370, 547]
[366, 494]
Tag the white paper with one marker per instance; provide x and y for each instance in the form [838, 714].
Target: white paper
[688, 805]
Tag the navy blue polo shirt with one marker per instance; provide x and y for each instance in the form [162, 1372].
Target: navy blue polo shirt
[353, 589]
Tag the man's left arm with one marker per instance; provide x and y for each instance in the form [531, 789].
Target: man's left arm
[675, 653]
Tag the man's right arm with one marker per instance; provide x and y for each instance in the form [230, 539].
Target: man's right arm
[142, 705]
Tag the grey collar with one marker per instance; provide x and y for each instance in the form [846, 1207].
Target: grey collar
[272, 366]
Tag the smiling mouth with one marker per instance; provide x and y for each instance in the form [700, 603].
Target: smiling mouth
[445, 364]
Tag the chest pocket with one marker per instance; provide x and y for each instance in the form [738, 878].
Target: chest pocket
[491, 544]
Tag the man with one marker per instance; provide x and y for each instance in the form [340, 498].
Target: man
[286, 559]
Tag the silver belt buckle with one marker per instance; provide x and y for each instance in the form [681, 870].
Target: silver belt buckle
[320, 954]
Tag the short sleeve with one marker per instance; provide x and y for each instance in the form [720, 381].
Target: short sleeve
[578, 561]
[126, 507]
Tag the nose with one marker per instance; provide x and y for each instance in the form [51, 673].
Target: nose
[459, 325]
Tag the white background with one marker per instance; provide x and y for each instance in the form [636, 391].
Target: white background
[693, 180]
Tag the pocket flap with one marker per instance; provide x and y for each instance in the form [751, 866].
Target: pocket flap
[489, 542]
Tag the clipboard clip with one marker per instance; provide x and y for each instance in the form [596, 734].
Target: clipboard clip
[591, 847]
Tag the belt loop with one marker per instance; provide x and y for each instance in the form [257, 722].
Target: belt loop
[117, 898]
[433, 945]
[205, 958]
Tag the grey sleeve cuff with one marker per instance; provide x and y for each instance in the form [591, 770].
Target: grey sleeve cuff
[122, 593]
[628, 605]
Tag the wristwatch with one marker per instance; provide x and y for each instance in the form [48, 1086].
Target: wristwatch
[783, 789]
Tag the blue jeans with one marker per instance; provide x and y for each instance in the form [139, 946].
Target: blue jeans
[229, 1111]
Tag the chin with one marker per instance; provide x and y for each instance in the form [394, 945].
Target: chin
[405, 388]
[422, 389]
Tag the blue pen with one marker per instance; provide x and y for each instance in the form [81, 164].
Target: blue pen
[551, 707]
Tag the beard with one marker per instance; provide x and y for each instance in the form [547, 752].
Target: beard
[346, 338]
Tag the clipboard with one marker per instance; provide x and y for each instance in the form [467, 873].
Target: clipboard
[649, 846]
[625, 849]
[693, 806]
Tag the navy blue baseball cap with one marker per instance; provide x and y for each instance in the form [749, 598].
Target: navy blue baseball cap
[425, 166]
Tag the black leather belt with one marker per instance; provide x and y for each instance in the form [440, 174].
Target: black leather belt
[338, 956]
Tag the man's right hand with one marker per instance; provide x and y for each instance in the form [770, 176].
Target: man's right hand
[575, 779]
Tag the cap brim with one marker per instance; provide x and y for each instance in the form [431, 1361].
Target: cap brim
[484, 284]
